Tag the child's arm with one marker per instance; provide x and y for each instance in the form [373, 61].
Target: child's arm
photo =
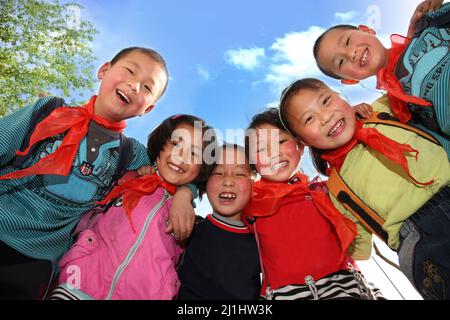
[181, 214]
[361, 247]
[422, 9]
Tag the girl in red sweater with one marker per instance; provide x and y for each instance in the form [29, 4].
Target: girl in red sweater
[302, 239]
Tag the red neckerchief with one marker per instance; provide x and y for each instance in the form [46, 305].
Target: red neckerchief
[76, 121]
[387, 80]
[133, 189]
[372, 138]
[267, 198]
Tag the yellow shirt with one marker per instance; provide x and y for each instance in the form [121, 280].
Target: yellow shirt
[386, 188]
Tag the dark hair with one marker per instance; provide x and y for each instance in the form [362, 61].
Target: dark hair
[270, 116]
[318, 43]
[235, 146]
[153, 54]
[163, 133]
[286, 95]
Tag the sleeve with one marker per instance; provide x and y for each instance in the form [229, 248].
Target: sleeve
[382, 105]
[14, 128]
[361, 247]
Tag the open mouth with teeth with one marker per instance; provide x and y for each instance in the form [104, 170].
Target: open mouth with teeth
[122, 96]
[227, 196]
[364, 57]
[175, 168]
[279, 165]
[337, 129]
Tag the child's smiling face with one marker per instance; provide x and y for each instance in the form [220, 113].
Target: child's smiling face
[129, 87]
[230, 184]
[180, 160]
[277, 154]
[320, 118]
[351, 54]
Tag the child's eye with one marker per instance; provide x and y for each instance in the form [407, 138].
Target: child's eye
[218, 173]
[129, 70]
[308, 119]
[325, 101]
[241, 174]
[282, 141]
[341, 62]
[148, 89]
[348, 41]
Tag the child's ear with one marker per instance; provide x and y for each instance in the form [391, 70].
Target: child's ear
[103, 70]
[149, 108]
[367, 29]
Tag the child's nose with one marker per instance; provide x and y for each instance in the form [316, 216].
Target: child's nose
[326, 117]
[228, 181]
[134, 85]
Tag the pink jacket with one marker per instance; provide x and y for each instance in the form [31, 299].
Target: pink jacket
[110, 261]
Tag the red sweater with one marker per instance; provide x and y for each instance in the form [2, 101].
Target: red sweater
[298, 240]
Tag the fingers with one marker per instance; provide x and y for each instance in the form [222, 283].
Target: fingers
[145, 170]
[181, 226]
[363, 110]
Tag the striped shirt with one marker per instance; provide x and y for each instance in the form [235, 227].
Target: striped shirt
[38, 213]
[343, 284]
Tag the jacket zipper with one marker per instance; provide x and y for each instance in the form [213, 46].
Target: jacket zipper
[135, 246]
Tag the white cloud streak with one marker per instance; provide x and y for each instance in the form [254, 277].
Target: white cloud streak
[247, 59]
[203, 73]
[345, 16]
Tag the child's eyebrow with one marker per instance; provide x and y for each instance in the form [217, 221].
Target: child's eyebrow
[150, 79]
[341, 39]
[133, 63]
[319, 98]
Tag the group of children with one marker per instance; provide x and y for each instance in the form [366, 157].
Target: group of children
[78, 222]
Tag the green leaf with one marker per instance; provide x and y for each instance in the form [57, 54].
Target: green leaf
[44, 47]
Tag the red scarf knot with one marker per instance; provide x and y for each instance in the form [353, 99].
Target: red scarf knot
[133, 189]
[372, 138]
[74, 120]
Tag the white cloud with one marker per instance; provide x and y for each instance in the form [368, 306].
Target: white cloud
[345, 16]
[247, 59]
[293, 58]
[203, 72]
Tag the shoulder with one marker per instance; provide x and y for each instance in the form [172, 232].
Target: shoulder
[382, 104]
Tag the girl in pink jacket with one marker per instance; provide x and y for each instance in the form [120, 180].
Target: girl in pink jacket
[125, 253]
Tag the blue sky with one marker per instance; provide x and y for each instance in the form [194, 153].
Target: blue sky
[230, 59]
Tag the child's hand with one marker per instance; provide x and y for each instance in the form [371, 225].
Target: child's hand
[422, 9]
[363, 110]
[181, 215]
[146, 170]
